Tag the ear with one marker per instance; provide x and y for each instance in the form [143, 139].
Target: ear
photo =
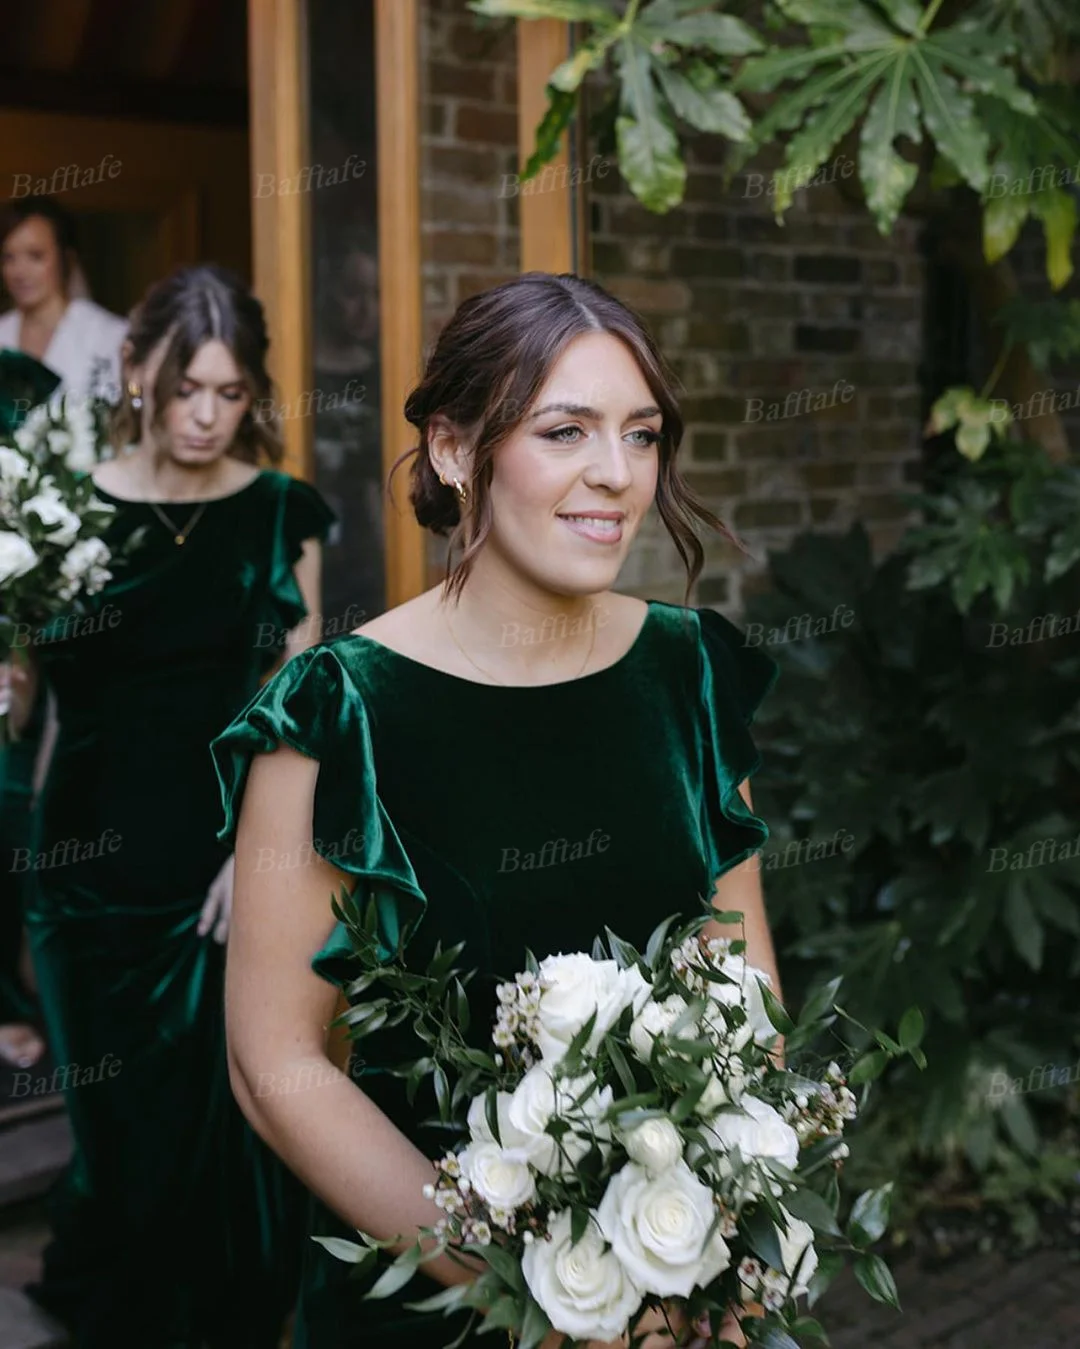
[450, 457]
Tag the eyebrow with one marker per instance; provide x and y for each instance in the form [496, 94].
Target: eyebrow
[591, 414]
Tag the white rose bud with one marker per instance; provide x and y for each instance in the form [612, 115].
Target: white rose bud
[576, 986]
[655, 1018]
[758, 1132]
[500, 1176]
[14, 467]
[535, 1102]
[584, 1289]
[797, 1250]
[657, 1226]
[16, 556]
[746, 990]
[654, 1144]
[61, 524]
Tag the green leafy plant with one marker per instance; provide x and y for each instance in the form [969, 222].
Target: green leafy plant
[981, 101]
[939, 731]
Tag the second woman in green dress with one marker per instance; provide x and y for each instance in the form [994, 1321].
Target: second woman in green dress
[175, 1227]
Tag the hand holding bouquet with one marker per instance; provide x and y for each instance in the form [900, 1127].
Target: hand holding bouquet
[628, 1142]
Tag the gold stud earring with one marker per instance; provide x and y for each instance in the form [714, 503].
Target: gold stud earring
[135, 394]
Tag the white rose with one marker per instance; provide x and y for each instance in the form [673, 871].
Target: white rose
[84, 568]
[653, 1019]
[82, 454]
[14, 467]
[657, 1226]
[573, 988]
[16, 556]
[760, 1135]
[48, 505]
[29, 433]
[584, 1290]
[798, 1238]
[745, 991]
[500, 1176]
[655, 1144]
[535, 1102]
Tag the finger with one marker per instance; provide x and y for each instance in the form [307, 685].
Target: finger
[221, 927]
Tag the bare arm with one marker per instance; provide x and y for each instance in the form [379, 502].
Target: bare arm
[740, 889]
[278, 1013]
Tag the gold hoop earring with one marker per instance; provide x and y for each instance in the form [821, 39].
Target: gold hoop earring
[463, 494]
[135, 394]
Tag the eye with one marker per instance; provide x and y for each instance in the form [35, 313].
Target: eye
[648, 436]
[232, 395]
[563, 435]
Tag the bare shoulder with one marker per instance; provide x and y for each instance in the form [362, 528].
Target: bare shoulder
[407, 628]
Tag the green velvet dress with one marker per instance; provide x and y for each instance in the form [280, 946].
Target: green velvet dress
[174, 1228]
[509, 818]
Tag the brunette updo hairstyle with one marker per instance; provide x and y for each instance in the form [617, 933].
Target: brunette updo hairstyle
[62, 223]
[488, 366]
[193, 306]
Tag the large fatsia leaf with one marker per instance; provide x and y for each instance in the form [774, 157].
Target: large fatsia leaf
[949, 116]
[570, 11]
[697, 98]
[1057, 211]
[887, 177]
[811, 146]
[648, 148]
[1048, 328]
[723, 34]
[554, 122]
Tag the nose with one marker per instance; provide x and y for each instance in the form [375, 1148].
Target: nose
[204, 410]
[609, 464]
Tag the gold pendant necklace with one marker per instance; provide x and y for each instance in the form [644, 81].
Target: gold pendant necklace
[180, 536]
[497, 680]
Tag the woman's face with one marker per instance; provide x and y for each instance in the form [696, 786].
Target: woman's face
[200, 422]
[571, 486]
[31, 264]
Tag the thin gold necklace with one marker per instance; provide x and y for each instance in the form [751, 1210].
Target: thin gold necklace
[180, 536]
[497, 680]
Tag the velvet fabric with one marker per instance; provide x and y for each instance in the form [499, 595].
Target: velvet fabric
[174, 1228]
[509, 818]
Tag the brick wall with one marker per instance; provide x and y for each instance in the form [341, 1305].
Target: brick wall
[469, 146]
[821, 312]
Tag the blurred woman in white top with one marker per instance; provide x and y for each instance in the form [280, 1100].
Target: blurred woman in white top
[74, 337]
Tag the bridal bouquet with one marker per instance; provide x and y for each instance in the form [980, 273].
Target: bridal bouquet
[51, 550]
[628, 1140]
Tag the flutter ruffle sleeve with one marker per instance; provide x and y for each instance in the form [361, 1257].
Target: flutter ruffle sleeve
[734, 679]
[301, 514]
[312, 706]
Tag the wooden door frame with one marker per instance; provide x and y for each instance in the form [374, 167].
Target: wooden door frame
[281, 224]
[552, 220]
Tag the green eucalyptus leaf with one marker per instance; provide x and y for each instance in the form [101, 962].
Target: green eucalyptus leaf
[812, 1209]
[912, 1028]
[870, 1216]
[875, 1276]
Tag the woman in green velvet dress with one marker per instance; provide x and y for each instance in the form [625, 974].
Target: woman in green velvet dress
[524, 755]
[175, 1228]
